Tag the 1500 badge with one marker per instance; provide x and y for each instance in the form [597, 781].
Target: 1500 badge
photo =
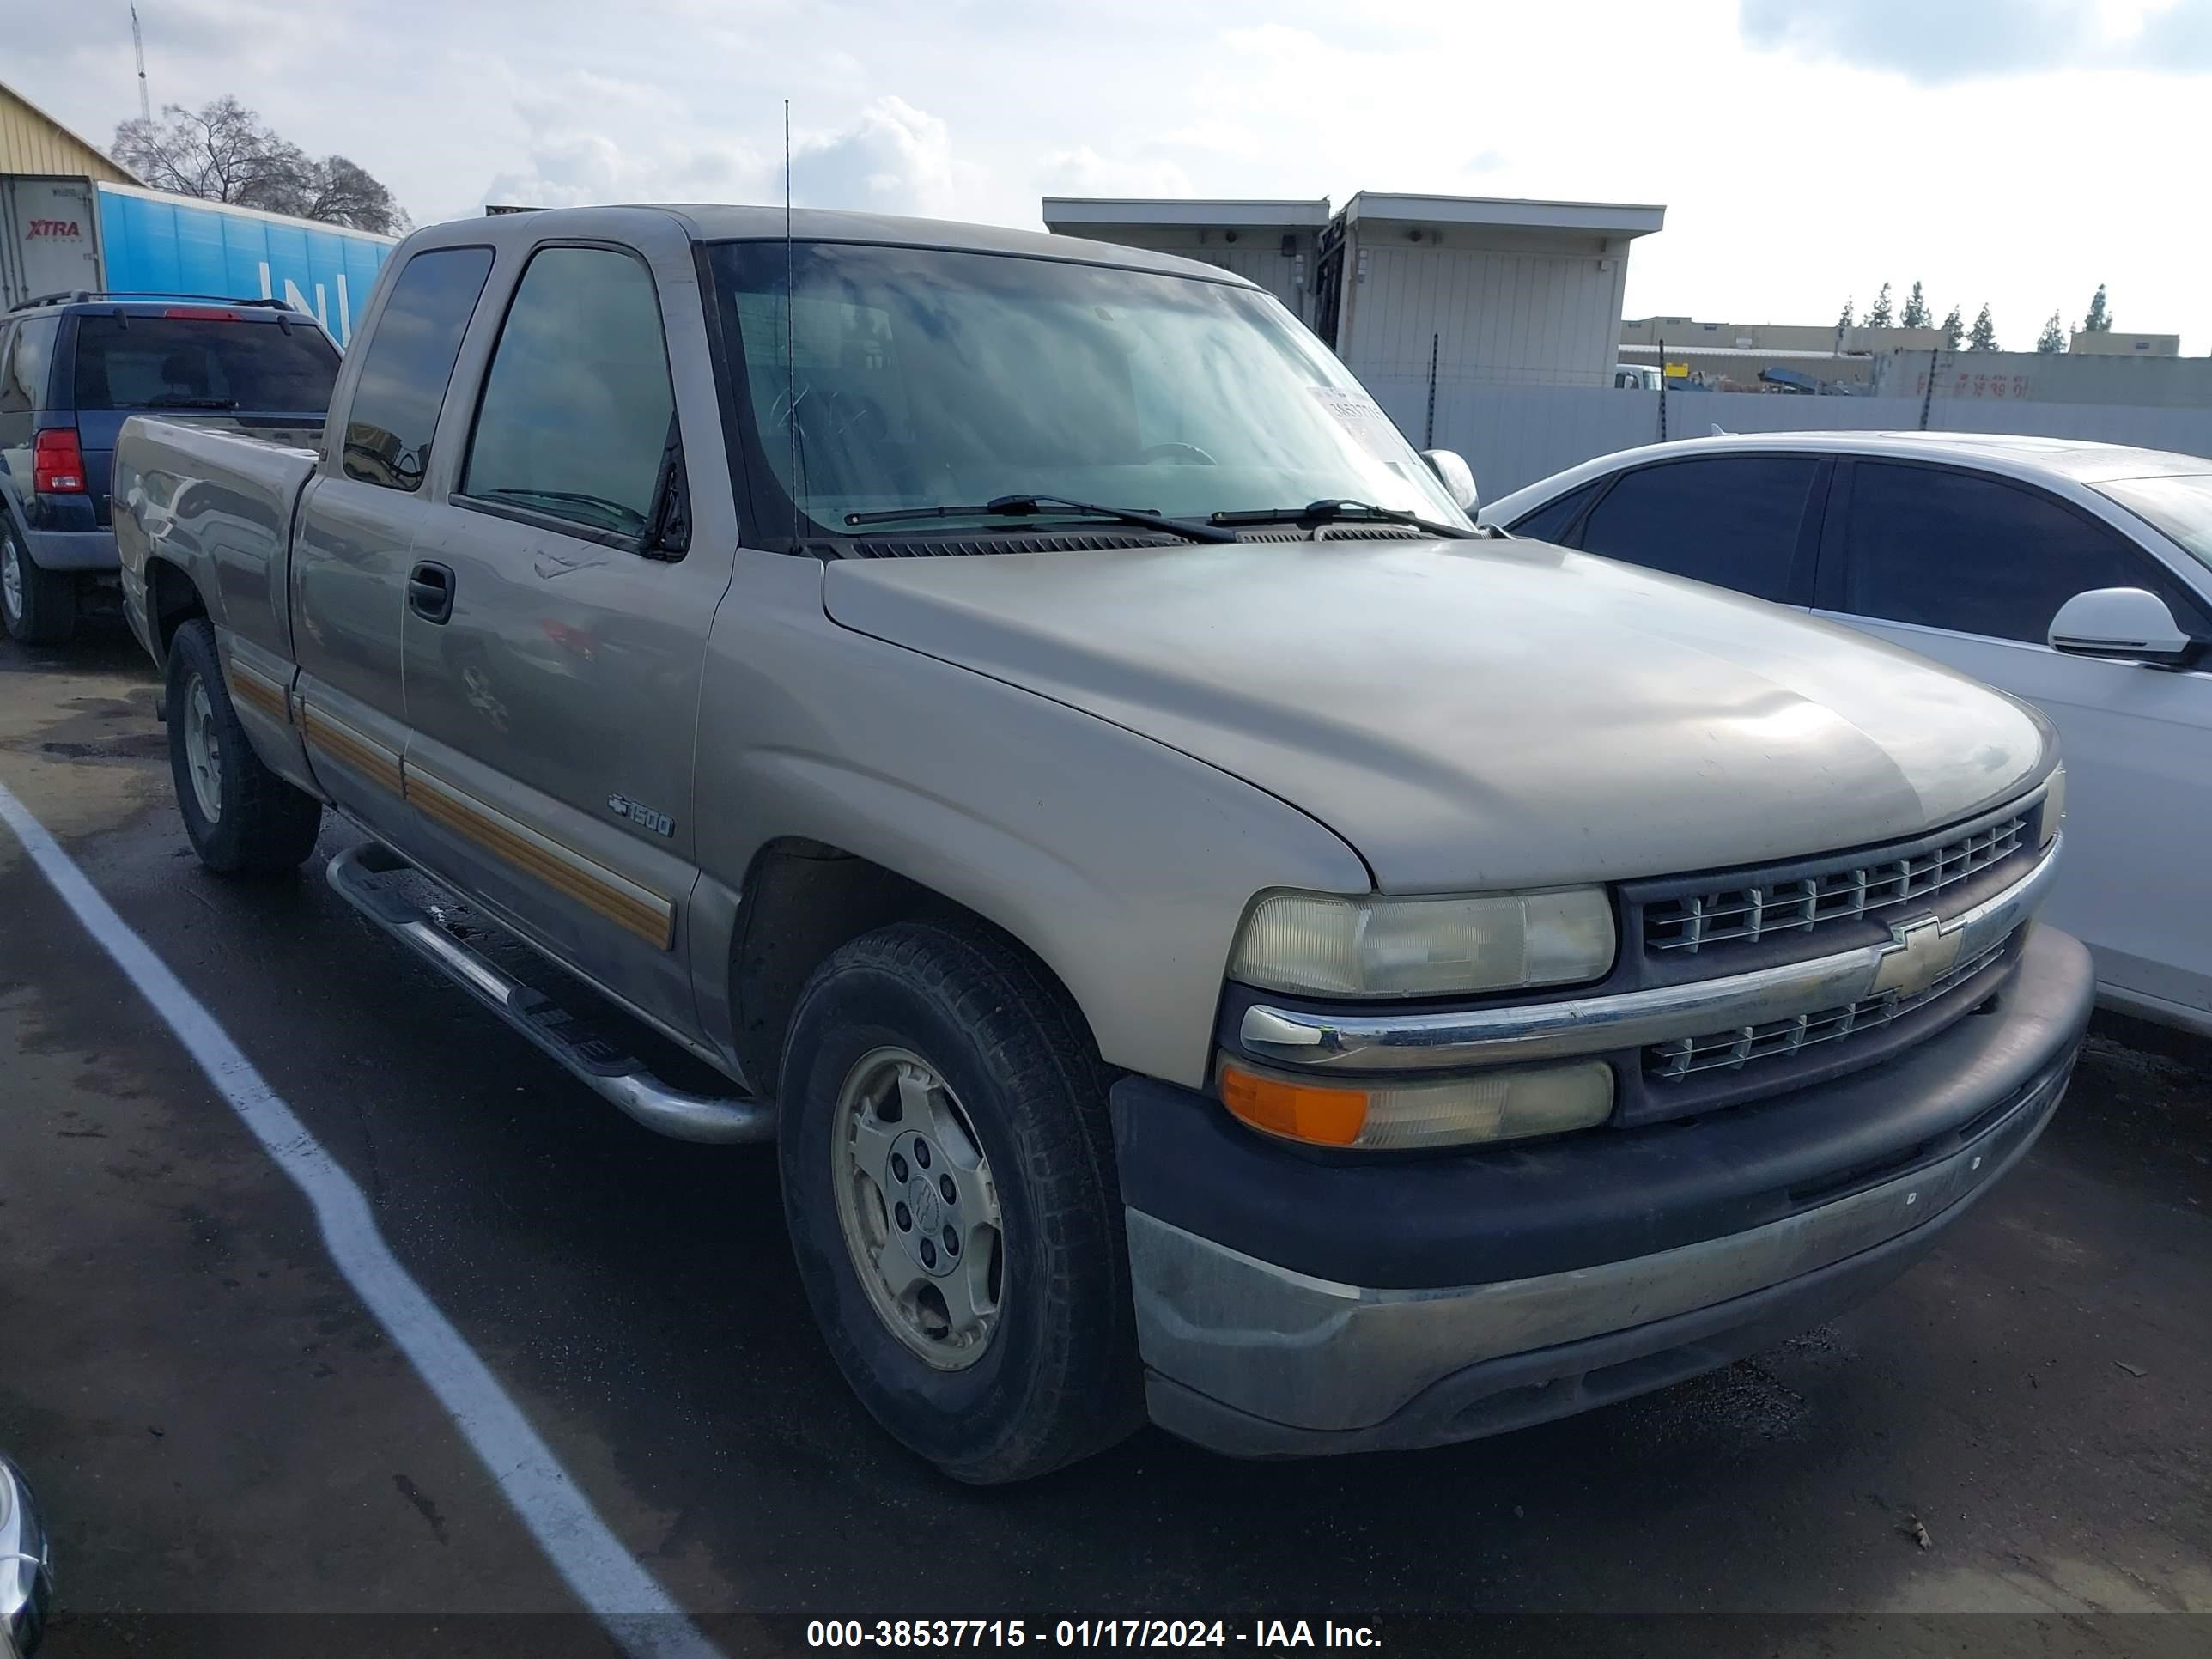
[644, 817]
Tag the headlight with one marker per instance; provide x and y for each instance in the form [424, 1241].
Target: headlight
[1508, 1104]
[2054, 807]
[1323, 944]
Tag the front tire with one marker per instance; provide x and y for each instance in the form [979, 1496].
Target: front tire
[242, 818]
[948, 1176]
[38, 606]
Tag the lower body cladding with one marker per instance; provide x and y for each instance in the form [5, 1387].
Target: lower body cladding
[1289, 1303]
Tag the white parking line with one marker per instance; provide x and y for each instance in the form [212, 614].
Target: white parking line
[609, 1580]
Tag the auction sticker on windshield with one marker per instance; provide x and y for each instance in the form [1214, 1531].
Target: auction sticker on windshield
[1358, 414]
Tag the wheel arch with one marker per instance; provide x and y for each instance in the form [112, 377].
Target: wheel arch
[802, 899]
[172, 598]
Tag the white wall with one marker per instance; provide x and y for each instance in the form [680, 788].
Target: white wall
[1262, 262]
[1527, 319]
[1513, 435]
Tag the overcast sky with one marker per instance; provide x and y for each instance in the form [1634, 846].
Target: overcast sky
[2016, 151]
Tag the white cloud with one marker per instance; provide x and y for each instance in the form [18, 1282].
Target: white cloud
[1800, 145]
[1084, 172]
[894, 159]
[1219, 136]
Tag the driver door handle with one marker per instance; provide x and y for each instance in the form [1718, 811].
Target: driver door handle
[430, 592]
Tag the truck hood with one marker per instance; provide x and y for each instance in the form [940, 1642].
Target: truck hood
[1479, 714]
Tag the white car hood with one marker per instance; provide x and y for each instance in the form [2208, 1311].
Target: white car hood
[1479, 714]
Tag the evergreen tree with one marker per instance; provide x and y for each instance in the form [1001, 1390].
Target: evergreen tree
[1954, 329]
[2099, 320]
[1881, 316]
[2053, 337]
[1983, 338]
[1916, 309]
[1845, 321]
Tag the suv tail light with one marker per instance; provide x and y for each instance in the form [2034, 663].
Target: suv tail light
[202, 313]
[57, 463]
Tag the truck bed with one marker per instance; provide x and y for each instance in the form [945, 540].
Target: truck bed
[219, 506]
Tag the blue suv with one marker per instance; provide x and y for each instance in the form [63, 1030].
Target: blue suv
[74, 366]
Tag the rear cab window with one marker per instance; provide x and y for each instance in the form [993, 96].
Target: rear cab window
[210, 361]
[409, 358]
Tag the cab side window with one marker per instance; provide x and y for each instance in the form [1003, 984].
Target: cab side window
[1979, 555]
[577, 421]
[1733, 520]
[410, 358]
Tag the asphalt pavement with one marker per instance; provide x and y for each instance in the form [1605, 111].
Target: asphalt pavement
[236, 1458]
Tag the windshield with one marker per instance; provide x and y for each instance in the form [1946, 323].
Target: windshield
[184, 362]
[922, 377]
[2181, 506]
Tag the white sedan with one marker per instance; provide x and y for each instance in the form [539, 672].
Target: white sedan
[2076, 576]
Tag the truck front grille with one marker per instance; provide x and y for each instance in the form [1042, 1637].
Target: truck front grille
[1749, 910]
[1747, 1045]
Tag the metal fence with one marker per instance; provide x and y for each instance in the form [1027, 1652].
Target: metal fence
[1515, 434]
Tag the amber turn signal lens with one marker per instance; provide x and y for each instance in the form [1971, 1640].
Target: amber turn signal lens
[1411, 1114]
[1297, 1111]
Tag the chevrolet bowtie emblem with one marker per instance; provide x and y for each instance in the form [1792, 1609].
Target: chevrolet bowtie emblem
[1919, 953]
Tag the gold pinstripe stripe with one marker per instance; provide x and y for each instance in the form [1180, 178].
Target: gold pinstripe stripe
[598, 889]
[351, 749]
[252, 687]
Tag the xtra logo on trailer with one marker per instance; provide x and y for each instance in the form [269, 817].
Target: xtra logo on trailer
[55, 227]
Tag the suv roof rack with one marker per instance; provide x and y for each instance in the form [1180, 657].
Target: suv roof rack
[80, 296]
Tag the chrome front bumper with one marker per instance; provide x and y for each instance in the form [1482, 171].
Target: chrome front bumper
[1920, 950]
[1255, 1360]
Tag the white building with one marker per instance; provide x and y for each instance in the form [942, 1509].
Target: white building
[1418, 294]
[1273, 243]
[2108, 343]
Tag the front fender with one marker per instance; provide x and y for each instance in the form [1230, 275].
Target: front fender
[1124, 864]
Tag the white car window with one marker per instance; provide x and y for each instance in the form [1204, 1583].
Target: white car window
[2181, 506]
[1951, 550]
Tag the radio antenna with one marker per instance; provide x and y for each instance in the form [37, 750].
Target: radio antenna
[790, 357]
[138, 46]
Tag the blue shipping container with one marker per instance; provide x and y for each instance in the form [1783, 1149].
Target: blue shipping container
[153, 243]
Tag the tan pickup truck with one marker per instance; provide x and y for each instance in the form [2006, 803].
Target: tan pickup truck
[1212, 934]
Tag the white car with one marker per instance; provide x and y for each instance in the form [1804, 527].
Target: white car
[2076, 576]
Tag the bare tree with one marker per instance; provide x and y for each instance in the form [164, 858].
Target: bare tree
[339, 192]
[221, 152]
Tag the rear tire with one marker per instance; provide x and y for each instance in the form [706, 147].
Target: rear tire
[38, 606]
[242, 818]
[960, 1018]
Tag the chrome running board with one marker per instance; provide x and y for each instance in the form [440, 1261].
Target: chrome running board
[578, 1043]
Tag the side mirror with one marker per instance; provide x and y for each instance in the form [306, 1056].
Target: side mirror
[2131, 624]
[1456, 477]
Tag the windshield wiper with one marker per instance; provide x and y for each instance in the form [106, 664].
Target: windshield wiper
[1022, 506]
[1343, 512]
[192, 403]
